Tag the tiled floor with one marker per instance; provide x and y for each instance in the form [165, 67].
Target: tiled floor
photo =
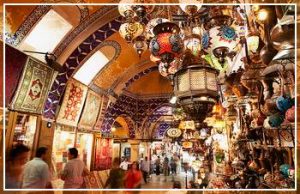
[162, 182]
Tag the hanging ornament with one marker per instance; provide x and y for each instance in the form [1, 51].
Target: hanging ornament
[192, 7]
[193, 44]
[174, 132]
[167, 44]
[290, 114]
[140, 45]
[130, 31]
[178, 114]
[276, 120]
[151, 24]
[222, 42]
[126, 10]
[219, 157]
[283, 103]
[163, 69]
[213, 61]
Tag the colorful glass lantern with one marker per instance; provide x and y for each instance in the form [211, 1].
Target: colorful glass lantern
[214, 62]
[130, 31]
[126, 10]
[140, 45]
[192, 7]
[151, 24]
[219, 156]
[276, 120]
[187, 125]
[173, 67]
[178, 114]
[290, 114]
[193, 43]
[283, 103]
[252, 43]
[167, 43]
[195, 85]
[163, 69]
[284, 169]
[174, 132]
[221, 41]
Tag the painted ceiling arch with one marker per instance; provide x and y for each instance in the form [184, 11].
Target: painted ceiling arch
[84, 49]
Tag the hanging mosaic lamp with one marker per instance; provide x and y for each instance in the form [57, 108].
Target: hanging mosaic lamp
[126, 10]
[290, 114]
[221, 41]
[213, 61]
[193, 44]
[130, 31]
[151, 24]
[283, 103]
[276, 120]
[284, 169]
[173, 66]
[192, 7]
[219, 156]
[174, 132]
[140, 45]
[163, 69]
[167, 44]
[252, 42]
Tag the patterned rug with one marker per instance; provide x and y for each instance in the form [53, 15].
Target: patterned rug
[90, 111]
[33, 87]
[73, 102]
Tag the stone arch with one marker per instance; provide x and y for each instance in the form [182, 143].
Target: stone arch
[127, 123]
[150, 121]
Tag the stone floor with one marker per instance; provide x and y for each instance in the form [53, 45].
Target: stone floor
[166, 182]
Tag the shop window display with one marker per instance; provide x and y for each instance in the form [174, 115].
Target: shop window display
[84, 145]
[24, 130]
[63, 140]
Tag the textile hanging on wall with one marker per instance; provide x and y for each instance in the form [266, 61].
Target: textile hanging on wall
[33, 87]
[90, 111]
[104, 104]
[103, 154]
[15, 61]
[73, 102]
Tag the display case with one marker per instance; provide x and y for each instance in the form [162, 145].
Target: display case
[84, 144]
[22, 130]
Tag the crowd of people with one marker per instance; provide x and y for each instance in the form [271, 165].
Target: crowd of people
[35, 174]
[128, 175]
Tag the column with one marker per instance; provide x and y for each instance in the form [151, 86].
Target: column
[134, 150]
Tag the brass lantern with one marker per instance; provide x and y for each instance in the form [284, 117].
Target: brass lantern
[195, 86]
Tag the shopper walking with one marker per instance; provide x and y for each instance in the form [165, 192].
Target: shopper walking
[116, 176]
[36, 171]
[18, 156]
[133, 177]
[173, 166]
[124, 164]
[166, 167]
[74, 171]
[145, 167]
[157, 166]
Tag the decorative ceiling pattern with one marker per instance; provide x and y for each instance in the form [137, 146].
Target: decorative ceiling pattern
[136, 109]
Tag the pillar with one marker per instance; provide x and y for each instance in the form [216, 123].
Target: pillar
[45, 139]
[134, 150]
